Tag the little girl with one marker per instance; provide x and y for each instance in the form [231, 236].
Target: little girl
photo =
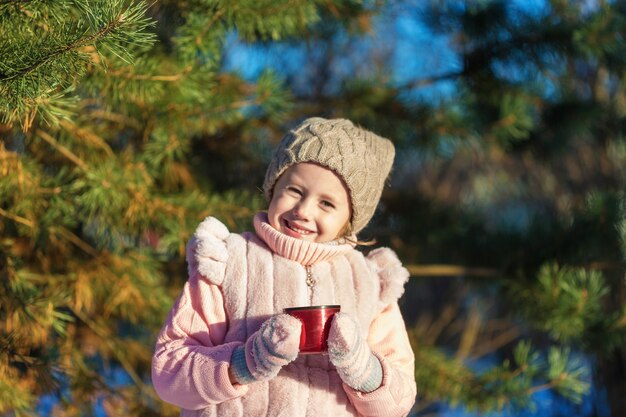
[227, 349]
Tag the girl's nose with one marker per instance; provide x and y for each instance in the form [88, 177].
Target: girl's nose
[302, 209]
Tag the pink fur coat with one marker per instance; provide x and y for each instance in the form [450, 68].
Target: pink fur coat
[236, 282]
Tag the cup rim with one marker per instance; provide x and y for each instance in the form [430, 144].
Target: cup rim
[322, 307]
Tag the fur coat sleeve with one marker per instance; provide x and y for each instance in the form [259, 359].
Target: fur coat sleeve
[190, 362]
[388, 339]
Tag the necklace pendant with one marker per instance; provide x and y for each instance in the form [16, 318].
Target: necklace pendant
[310, 281]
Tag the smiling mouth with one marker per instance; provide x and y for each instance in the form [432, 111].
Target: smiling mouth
[296, 229]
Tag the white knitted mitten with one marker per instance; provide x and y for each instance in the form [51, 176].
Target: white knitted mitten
[357, 366]
[267, 350]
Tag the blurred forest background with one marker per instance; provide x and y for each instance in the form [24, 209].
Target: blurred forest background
[124, 123]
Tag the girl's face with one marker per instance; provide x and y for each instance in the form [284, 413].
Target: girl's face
[309, 202]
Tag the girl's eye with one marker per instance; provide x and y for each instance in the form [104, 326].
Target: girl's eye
[294, 190]
[328, 204]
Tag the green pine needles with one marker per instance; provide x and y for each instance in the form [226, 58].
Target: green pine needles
[104, 116]
[48, 47]
[506, 386]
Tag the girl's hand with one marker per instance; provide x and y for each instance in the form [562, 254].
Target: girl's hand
[270, 348]
[357, 366]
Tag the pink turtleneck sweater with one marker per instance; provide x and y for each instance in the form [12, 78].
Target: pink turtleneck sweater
[236, 282]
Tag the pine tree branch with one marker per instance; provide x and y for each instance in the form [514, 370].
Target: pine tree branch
[431, 80]
[450, 270]
[16, 218]
[484, 272]
[436, 328]
[62, 149]
[85, 134]
[79, 43]
[235, 105]
[497, 342]
[105, 337]
[55, 190]
[6, 2]
[471, 330]
[62, 231]
[544, 387]
[116, 118]
[148, 77]
[605, 265]
[65, 233]
[204, 31]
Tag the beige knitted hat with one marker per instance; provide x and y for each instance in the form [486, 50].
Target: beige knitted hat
[361, 158]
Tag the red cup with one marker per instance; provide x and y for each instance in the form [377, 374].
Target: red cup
[315, 326]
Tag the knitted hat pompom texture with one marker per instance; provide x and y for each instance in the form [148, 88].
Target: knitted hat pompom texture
[360, 157]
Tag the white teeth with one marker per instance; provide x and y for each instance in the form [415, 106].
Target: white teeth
[298, 230]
